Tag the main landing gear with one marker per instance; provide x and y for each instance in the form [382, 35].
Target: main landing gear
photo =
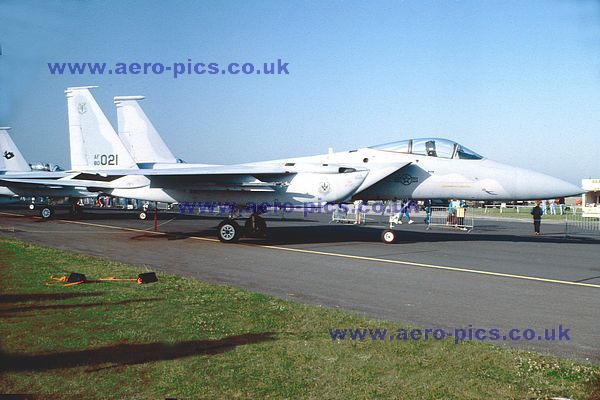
[229, 231]
[46, 212]
[75, 208]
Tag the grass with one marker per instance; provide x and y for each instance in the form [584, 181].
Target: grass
[188, 339]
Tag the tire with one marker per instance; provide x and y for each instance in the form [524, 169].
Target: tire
[228, 231]
[388, 236]
[143, 215]
[256, 229]
[46, 212]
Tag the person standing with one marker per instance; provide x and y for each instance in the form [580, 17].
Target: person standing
[358, 210]
[405, 211]
[357, 204]
[451, 211]
[537, 213]
[553, 206]
[561, 205]
[459, 206]
[427, 204]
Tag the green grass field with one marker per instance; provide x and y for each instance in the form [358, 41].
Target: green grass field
[188, 339]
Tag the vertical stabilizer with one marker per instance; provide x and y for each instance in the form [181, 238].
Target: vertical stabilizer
[138, 134]
[94, 143]
[11, 158]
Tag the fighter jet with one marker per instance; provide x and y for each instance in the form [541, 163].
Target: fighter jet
[414, 168]
[14, 166]
[427, 168]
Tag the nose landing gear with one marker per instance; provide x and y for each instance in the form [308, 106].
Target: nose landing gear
[388, 236]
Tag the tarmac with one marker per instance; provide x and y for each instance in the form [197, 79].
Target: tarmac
[497, 276]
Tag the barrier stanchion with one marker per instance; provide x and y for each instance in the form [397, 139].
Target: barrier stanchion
[155, 217]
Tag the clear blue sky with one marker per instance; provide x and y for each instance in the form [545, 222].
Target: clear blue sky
[517, 81]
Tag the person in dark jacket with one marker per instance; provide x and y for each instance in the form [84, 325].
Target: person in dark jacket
[427, 205]
[537, 213]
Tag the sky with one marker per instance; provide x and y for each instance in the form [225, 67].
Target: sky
[518, 82]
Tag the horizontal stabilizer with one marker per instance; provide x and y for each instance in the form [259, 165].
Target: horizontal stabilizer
[64, 183]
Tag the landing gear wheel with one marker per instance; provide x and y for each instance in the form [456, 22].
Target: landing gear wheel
[46, 212]
[228, 231]
[143, 215]
[255, 226]
[388, 236]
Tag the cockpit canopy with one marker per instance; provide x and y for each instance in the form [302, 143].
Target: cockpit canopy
[38, 166]
[432, 147]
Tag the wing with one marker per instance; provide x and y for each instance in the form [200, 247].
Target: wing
[236, 177]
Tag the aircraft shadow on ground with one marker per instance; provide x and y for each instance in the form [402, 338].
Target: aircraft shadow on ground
[171, 235]
[333, 233]
[21, 298]
[336, 234]
[126, 354]
[117, 214]
[162, 216]
[284, 235]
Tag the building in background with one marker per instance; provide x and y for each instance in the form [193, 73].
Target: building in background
[590, 200]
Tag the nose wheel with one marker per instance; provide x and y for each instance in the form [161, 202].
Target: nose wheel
[388, 236]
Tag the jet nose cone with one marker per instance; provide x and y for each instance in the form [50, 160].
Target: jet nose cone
[523, 184]
[566, 189]
[542, 186]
